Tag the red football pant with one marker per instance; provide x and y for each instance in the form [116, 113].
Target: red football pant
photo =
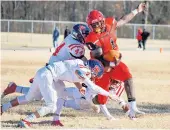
[104, 83]
[120, 72]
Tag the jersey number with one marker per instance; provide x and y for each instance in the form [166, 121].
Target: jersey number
[77, 51]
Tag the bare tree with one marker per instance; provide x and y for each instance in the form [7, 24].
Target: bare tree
[77, 10]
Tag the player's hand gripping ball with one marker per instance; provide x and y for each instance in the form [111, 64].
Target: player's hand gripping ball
[112, 55]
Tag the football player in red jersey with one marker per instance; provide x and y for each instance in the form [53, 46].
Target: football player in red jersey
[102, 43]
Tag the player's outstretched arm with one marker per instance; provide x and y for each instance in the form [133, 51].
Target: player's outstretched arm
[96, 89]
[125, 19]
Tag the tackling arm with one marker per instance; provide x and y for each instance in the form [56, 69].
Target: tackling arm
[96, 89]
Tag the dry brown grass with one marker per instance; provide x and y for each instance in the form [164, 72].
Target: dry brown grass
[151, 74]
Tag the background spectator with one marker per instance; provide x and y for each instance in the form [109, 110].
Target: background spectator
[55, 37]
[66, 32]
[145, 36]
[139, 38]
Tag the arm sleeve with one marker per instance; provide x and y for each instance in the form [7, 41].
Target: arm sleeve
[105, 111]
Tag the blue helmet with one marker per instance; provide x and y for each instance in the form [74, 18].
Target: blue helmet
[96, 67]
[79, 32]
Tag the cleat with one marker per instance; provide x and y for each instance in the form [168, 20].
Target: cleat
[132, 117]
[10, 89]
[140, 112]
[57, 123]
[24, 124]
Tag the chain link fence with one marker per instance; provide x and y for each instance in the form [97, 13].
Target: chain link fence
[46, 27]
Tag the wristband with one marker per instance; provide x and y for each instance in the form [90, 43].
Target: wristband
[135, 12]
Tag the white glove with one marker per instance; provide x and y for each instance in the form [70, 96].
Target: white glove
[134, 110]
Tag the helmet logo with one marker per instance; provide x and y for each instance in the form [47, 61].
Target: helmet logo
[82, 27]
[96, 69]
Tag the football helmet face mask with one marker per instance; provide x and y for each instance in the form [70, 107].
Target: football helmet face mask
[96, 21]
[79, 32]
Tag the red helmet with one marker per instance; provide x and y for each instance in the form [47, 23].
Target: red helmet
[95, 17]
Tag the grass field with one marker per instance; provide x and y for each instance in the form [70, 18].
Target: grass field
[150, 69]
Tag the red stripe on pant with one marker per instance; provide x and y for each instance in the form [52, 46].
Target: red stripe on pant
[120, 90]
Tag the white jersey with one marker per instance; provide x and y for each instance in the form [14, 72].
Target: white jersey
[67, 50]
[74, 71]
[65, 70]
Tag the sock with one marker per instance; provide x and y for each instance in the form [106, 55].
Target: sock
[6, 106]
[105, 110]
[30, 118]
[60, 103]
[21, 89]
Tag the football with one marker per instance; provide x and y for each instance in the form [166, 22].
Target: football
[112, 55]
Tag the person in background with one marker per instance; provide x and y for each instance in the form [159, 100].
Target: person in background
[145, 36]
[55, 37]
[139, 38]
[66, 32]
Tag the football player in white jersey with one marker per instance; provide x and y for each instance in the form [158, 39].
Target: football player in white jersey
[71, 48]
[75, 71]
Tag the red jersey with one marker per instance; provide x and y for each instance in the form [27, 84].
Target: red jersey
[106, 40]
[139, 36]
